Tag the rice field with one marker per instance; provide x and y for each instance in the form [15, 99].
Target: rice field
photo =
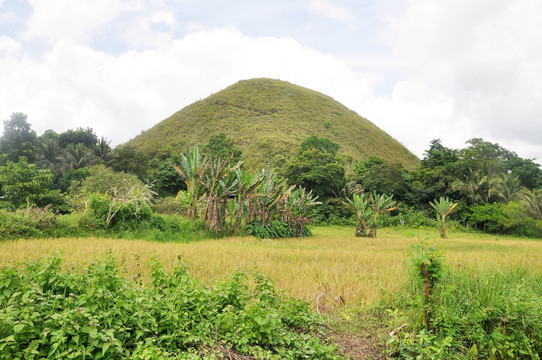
[332, 266]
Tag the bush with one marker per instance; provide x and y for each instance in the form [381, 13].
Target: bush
[334, 212]
[32, 222]
[510, 218]
[468, 315]
[45, 313]
[277, 229]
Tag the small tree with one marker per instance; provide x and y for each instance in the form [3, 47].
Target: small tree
[443, 207]
[120, 188]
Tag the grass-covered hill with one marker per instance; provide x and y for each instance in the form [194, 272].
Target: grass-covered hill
[268, 119]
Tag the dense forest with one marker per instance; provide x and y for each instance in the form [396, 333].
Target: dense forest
[73, 183]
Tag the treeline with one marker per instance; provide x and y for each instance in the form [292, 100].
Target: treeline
[495, 189]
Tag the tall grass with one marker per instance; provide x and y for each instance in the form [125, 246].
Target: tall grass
[330, 267]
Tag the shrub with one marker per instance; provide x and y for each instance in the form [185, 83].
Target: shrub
[45, 313]
[510, 218]
[468, 315]
[276, 229]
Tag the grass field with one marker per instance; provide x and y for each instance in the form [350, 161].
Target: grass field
[331, 264]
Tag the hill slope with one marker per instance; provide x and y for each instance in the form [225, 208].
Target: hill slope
[268, 119]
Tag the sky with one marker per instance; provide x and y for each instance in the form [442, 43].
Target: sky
[419, 69]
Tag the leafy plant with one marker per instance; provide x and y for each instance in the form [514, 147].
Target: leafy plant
[443, 207]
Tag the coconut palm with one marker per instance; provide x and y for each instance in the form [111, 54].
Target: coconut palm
[509, 188]
[77, 156]
[443, 207]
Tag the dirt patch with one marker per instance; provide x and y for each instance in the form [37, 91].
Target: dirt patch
[358, 347]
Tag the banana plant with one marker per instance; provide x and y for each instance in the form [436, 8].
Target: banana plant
[191, 168]
[443, 207]
[299, 209]
[220, 183]
[359, 203]
[380, 204]
[271, 190]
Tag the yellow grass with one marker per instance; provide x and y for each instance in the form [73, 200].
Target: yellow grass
[357, 269]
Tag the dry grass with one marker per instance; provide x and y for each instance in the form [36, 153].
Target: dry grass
[330, 264]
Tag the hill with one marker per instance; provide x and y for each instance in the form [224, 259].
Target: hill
[268, 119]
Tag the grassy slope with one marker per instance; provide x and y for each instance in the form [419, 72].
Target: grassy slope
[268, 119]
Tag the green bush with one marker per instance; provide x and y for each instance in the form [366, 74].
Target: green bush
[45, 313]
[275, 230]
[27, 223]
[510, 218]
[483, 315]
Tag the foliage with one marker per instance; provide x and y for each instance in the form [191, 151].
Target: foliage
[128, 159]
[47, 313]
[23, 184]
[316, 167]
[87, 137]
[276, 229]
[443, 208]
[117, 190]
[27, 223]
[223, 147]
[268, 120]
[511, 218]
[190, 169]
[482, 315]
[18, 139]
[368, 208]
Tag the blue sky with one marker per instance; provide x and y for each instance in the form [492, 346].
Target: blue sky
[418, 69]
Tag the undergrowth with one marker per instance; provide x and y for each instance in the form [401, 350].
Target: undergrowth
[46, 313]
[465, 314]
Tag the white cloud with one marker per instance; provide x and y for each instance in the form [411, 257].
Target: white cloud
[73, 20]
[331, 10]
[119, 96]
[483, 56]
[9, 47]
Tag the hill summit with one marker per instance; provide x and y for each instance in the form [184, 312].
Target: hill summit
[268, 119]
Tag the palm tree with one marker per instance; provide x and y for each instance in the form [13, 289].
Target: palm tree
[49, 154]
[77, 156]
[509, 188]
[103, 151]
[443, 207]
[533, 201]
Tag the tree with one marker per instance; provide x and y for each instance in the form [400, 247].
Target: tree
[103, 151]
[24, 184]
[438, 155]
[77, 156]
[120, 189]
[86, 137]
[377, 175]
[508, 188]
[127, 159]
[317, 168]
[223, 147]
[18, 139]
[443, 207]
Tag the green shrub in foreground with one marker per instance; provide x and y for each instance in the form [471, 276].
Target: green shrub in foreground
[48, 313]
[473, 316]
